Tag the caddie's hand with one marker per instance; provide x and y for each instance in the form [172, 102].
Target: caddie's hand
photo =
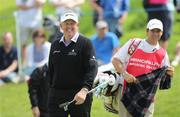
[80, 97]
[128, 77]
[35, 111]
[170, 71]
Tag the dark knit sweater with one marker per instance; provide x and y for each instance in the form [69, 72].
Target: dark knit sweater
[74, 66]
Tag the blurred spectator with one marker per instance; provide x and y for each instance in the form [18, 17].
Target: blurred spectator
[8, 60]
[176, 60]
[105, 43]
[96, 10]
[29, 18]
[162, 10]
[64, 5]
[38, 87]
[37, 52]
[177, 5]
[114, 12]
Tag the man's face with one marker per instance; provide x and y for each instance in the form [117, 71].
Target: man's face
[101, 32]
[69, 28]
[8, 40]
[154, 34]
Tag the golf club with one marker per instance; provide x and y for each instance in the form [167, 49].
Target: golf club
[102, 85]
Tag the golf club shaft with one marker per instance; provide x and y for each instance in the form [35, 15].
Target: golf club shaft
[99, 86]
[92, 90]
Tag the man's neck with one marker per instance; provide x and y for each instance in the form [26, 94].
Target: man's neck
[7, 49]
[67, 39]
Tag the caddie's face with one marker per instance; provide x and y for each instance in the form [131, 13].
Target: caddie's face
[69, 28]
[154, 34]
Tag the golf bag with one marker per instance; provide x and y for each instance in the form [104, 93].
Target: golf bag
[111, 93]
[51, 26]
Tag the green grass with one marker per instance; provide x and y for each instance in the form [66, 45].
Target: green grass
[167, 101]
[14, 100]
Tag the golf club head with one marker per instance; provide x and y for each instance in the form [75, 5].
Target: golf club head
[63, 105]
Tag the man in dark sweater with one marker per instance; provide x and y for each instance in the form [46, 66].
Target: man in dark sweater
[72, 69]
[8, 60]
[38, 87]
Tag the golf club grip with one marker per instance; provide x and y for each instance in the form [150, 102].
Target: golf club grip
[66, 103]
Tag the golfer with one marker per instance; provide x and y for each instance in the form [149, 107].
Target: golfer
[72, 69]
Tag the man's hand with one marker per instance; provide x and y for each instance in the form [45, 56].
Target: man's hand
[170, 71]
[35, 111]
[80, 97]
[128, 77]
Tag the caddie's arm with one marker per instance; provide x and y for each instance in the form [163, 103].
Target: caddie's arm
[118, 65]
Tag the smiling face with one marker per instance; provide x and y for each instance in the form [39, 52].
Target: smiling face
[70, 28]
[154, 34]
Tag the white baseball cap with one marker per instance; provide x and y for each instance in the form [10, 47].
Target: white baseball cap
[69, 15]
[155, 23]
[101, 24]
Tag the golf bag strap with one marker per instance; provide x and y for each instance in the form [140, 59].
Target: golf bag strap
[134, 45]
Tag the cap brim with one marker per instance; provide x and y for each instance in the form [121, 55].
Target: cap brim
[155, 27]
[69, 18]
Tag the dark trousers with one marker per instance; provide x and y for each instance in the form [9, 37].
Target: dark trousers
[44, 115]
[57, 97]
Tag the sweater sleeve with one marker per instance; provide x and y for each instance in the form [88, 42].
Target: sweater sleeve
[33, 86]
[90, 65]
